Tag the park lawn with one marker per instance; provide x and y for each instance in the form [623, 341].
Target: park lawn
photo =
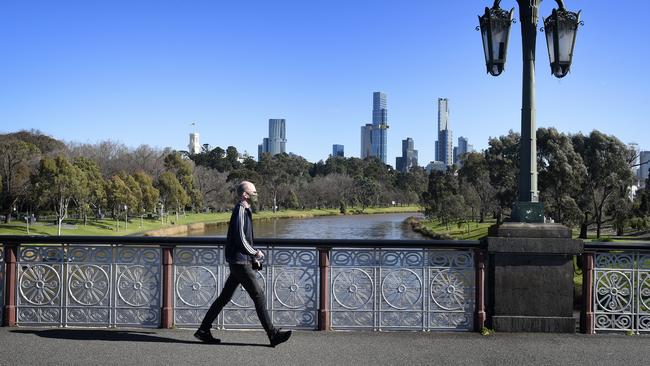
[476, 230]
[109, 226]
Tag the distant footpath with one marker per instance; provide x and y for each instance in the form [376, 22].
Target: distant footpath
[191, 222]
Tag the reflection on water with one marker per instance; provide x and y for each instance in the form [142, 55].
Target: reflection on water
[381, 226]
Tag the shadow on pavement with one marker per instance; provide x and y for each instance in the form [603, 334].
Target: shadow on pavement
[118, 336]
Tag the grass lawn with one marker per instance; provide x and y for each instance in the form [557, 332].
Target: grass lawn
[476, 230]
[136, 226]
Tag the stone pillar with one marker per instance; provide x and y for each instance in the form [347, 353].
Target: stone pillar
[167, 314]
[479, 315]
[587, 313]
[324, 295]
[530, 277]
[11, 284]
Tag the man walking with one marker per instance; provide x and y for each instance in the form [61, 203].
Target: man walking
[240, 255]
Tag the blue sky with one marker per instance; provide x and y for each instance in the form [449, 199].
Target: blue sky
[141, 71]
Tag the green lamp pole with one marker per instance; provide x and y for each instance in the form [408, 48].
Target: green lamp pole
[561, 28]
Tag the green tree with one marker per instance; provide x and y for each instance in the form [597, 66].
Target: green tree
[172, 193]
[365, 191]
[476, 175]
[502, 158]
[93, 197]
[15, 168]
[150, 194]
[121, 196]
[183, 169]
[562, 175]
[608, 172]
[443, 199]
[57, 182]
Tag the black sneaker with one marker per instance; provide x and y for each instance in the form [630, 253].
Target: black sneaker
[206, 337]
[280, 337]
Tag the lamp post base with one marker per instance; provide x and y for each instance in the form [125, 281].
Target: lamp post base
[530, 212]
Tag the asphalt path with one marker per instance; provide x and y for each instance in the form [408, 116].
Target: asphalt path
[62, 346]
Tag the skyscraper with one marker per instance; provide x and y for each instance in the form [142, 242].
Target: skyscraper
[409, 158]
[379, 126]
[366, 141]
[276, 143]
[374, 137]
[444, 145]
[463, 148]
[338, 150]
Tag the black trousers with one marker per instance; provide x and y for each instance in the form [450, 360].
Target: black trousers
[245, 275]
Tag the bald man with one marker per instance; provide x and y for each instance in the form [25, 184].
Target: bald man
[240, 254]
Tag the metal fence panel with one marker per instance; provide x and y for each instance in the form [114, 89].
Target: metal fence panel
[289, 280]
[390, 289]
[622, 291]
[83, 285]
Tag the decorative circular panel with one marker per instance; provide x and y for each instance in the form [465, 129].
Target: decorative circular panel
[293, 288]
[613, 291]
[448, 290]
[88, 284]
[40, 284]
[136, 285]
[196, 286]
[401, 289]
[352, 288]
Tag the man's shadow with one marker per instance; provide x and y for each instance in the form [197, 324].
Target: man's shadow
[118, 336]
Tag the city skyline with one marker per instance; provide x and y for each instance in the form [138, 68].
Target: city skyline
[140, 73]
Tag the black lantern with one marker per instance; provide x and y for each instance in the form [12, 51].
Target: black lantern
[495, 30]
[561, 29]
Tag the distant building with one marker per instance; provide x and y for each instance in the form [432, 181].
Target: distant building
[366, 141]
[463, 148]
[437, 166]
[338, 150]
[644, 169]
[276, 143]
[374, 137]
[194, 146]
[444, 145]
[409, 158]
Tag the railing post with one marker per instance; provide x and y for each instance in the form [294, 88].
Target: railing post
[11, 283]
[167, 315]
[587, 313]
[479, 314]
[324, 303]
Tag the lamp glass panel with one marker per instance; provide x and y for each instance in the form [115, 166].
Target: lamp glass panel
[565, 39]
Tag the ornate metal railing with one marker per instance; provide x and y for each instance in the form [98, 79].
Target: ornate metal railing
[289, 279]
[617, 287]
[418, 289]
[309, 284]
[88, 285]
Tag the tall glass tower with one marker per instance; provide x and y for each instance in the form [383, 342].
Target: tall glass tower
[379, 126]
[276, 143]
[445, 144]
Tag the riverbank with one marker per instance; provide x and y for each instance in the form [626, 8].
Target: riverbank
[185, 223]
[434, 229]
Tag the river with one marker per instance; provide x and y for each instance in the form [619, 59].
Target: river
[378, 226]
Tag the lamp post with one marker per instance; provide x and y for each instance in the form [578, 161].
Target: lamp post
[561, 28]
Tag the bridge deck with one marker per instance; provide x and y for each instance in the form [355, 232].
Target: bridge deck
[29, 346]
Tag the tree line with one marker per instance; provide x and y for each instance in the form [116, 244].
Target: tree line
[44, 176]
[585, 181]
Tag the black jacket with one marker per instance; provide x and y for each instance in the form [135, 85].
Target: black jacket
[239, 246]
